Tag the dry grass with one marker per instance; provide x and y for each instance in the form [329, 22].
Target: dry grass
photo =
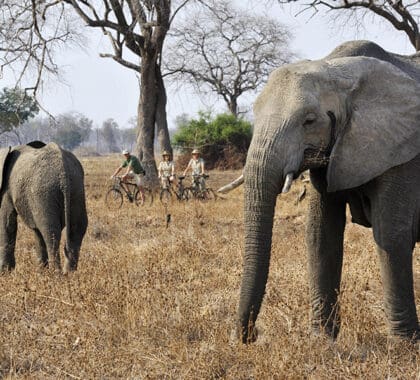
[154, 303]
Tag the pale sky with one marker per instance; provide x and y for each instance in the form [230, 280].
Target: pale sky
[102, 89]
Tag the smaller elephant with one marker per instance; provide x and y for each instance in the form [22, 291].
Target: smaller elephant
[43, 184]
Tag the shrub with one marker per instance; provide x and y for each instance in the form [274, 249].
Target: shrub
[223, 140]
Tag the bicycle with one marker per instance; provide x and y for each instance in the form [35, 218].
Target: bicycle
[168, 191]
[196, 192]
[115, 195]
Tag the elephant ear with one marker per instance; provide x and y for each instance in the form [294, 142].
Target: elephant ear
[383, 122]
[4, 153]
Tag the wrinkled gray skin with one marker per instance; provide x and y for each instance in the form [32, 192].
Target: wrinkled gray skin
[353, 119]
[44, 186]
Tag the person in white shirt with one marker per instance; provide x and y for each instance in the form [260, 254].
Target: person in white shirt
[166, 170]
[196, 165]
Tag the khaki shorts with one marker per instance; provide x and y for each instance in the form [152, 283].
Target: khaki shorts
[166, 179]
[136, 177]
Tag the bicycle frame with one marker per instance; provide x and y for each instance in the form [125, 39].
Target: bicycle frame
[178, 191]
[201, 192]
[196, 182]
[131, 186]
[180, 188]
[130, 190]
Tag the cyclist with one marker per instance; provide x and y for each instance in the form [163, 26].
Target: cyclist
[196, 165]
[134, 170]
[166, 170]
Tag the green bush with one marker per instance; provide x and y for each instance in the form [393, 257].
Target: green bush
[222, 140]
[15, 108]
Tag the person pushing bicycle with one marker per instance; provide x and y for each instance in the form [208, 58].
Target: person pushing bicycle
[196, 165]
[134, 172]
[166, 170]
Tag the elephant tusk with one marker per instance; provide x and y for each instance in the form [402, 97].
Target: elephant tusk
[233, 185]
[287, 182]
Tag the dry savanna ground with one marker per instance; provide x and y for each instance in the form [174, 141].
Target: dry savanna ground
[150, 302]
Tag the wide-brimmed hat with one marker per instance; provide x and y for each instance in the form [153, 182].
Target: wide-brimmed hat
[195, 151]
[165, 153]
[125, 151]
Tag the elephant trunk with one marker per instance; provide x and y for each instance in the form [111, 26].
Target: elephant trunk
[263, 181]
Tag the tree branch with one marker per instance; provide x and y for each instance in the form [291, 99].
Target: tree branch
[221, 58]
[403, 17]
[121, 61]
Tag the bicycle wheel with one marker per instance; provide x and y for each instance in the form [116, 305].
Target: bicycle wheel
[165, 197]
[208, 195]
[188, 194]
[114, 199]
[148, 198]
[184, 195]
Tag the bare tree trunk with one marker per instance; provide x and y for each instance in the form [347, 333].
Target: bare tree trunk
[161, 119]
[233, 106]
[151, 115]
[146, 118]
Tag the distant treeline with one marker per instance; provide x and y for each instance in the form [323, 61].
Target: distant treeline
[74, 131]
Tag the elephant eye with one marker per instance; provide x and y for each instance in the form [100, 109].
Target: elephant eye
[310, 119]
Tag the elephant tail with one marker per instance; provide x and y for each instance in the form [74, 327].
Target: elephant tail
[64, 169]
[75, 215]
[67, 209]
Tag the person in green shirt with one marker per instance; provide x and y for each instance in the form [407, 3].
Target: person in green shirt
[134, 172]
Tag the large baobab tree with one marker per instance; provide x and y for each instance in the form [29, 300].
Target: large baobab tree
[136, 30]
[403, 15]
[225, 50]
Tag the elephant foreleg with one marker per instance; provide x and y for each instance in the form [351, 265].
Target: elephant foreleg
[324, 235]
[8, 230]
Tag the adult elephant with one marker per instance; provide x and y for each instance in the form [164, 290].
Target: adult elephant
[353, 119]
[43, 184]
